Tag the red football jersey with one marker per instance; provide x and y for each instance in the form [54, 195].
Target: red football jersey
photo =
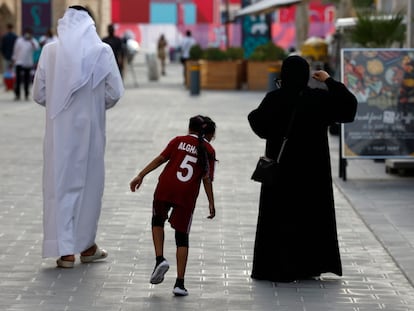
[179, 182]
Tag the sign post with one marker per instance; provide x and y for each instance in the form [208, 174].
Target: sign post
[383, 82]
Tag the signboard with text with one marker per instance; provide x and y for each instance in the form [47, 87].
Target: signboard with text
[36, 14]
[383, 82]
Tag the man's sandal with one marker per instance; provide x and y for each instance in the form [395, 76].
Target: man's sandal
[99, 254]
[61, 263]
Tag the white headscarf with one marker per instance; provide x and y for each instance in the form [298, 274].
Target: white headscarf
[78, 50]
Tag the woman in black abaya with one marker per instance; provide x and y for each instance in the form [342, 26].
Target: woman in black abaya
[296, 235]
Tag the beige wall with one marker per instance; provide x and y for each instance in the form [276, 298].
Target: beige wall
[10, 11]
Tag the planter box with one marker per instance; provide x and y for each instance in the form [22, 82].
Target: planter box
[258, 74]
[221, 75]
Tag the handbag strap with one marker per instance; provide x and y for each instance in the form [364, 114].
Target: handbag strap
[285, 138]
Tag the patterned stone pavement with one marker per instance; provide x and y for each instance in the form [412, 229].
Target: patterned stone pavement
[374, 215]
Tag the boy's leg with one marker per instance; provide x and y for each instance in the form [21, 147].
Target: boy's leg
[160, 213]
[182, 256]
[161, 264]
[181, 239]
[159, 216]
[182, 243]
[158, 240]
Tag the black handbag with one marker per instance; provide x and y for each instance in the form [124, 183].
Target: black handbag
[266, 170]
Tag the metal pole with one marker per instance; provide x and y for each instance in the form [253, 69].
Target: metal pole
[194, 79]
[227, 24]
[410, 23]
[272, 73]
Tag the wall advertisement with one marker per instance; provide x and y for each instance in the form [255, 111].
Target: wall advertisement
[383, 82]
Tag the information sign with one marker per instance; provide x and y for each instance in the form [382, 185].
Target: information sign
[383, 82]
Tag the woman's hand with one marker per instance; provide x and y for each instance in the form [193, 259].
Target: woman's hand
[320, 75]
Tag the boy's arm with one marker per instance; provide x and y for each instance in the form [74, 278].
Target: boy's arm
[208, 187]
[137, 181]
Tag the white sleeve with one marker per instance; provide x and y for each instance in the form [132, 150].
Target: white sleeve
[114, 86]
[39, 82]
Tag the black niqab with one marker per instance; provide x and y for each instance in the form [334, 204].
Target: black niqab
[295, 73]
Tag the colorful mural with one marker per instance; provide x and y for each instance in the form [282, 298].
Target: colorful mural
[199, 17]
[150, 11]
[255, 30]
[321, 23]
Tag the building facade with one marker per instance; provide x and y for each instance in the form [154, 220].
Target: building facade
[44, 14]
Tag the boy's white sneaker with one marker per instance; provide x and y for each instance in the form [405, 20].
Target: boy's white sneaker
[160, 270]
[177, 291]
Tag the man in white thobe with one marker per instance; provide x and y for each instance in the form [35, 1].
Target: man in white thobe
[77, 79]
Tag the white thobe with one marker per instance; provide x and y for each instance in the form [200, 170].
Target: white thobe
[74, 145]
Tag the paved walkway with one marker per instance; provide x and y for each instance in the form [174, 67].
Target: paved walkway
[375, 215]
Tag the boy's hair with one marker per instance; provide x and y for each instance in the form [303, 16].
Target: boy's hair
[197, 124]
[210, 126]
[202, 125]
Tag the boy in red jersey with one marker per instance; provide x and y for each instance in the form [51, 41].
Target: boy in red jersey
[190, 160]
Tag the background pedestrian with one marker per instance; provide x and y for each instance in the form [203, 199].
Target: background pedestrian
[162, 52]
[118, 47]
[7, 45]
[23, 61]
[187, 43]
[48, 37]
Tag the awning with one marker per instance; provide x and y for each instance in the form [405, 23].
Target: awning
[265, 6]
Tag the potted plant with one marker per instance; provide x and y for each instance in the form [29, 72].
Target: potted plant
[237, 53]
[264, 58]
[196, 51]
[221, 69]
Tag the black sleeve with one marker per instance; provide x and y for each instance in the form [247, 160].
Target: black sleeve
[260, 118]
[341, 102]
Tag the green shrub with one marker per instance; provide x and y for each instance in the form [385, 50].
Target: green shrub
[196, 52]
[235, 53]
[268, 52]
[212, 53]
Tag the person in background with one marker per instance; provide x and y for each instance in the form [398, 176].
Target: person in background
[77, 80]
[190, 160]
[296, 235]
[47, 38]
[23, 61]
[187, 43]
[292, 51]
[117, 46]
[162, 52]
[7, 44]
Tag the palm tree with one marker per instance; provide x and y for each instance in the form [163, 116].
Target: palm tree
[379, 31]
